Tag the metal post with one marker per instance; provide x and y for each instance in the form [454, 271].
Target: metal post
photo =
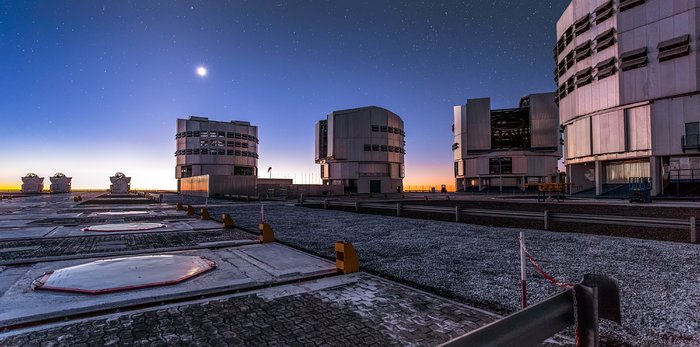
[457, 214]
[398, 209]
[546, 220]
[357, 206]
[325, 203]
[523, 279]
[693, 232]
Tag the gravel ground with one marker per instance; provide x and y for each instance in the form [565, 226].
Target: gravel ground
[479, 265]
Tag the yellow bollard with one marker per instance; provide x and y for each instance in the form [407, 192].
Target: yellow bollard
[204, 215]
[266, 233]
[346, 260]
[178, 207]
[190, 210]
[228, 221]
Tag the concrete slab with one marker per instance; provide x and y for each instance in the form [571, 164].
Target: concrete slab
[235, 270]
[123, 273]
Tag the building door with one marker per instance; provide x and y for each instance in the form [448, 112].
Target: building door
[375, 186]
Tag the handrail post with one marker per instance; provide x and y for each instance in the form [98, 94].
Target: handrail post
[398, 209]
[693, 231]
[546, 220]
[357, 206]
[457, 214]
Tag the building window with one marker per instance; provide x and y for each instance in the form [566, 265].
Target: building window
[604, 12]
[368, 148]
[501, 166]
[569, 60]
[633, 59]
[375, 128]
[628, 4]
[582, 25]
[583, 51]
[561, 67]
[674, 48]
[569, 35]
[605, 40]
[455, 146]
[375, 148]
[560, 45]
[584, 77]
[456, 168]
[229, 152]
[383, 147]
[692, 135]
[243, 171]
[562, 91]
[383, 129]
[606, 68]
[570, 84]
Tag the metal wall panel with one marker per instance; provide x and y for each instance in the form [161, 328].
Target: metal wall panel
[638, 128]
[460, 120]
[478, 121]
[578, 138]
[608, 132]
[544, 121]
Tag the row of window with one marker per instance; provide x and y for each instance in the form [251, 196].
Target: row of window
[669, 49]
[221, 143]
[217, 134]
[604, 69]
[198, 151]
[585, 50]
[384, 148]
[386, 129]
[583, 24]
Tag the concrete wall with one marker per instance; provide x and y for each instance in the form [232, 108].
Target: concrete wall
[216, 185]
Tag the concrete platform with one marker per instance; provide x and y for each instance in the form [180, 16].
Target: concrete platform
[111, 275]
[357, 309]
[237, 268]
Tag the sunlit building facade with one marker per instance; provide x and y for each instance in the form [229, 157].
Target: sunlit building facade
[507, 147]
[629, 93]
[216, 157]
[362, 149]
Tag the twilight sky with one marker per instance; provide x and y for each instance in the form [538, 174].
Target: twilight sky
[92, 87]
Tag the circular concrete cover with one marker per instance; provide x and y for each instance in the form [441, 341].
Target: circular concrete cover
[118, 274]
[124, 227]
[122, 213]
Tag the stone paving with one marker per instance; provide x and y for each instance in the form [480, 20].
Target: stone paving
[366, 311]
[54, 247]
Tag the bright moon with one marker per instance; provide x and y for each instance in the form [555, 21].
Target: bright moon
[201, 71]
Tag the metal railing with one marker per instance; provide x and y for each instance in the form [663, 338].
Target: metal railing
[684, 175]
[546, 217]
[597, 297]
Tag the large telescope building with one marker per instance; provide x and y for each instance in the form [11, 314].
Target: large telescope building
[507, 147]
[629, 93]
[362, 150]
[216, 158]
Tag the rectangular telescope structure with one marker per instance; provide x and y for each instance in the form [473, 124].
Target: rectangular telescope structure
[506, 148]
[216, 157]
[362, 150]
[629, 94]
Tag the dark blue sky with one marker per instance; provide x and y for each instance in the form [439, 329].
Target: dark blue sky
[94, 87]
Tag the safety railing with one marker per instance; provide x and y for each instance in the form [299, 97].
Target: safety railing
[546, 217]
[596, 297]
